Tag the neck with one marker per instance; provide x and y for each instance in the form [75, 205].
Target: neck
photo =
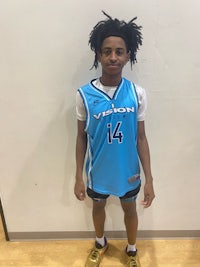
[110, 81]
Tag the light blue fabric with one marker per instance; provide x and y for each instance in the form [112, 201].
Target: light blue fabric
[111, 127]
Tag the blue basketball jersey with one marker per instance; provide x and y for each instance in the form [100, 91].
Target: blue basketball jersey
[111, 125]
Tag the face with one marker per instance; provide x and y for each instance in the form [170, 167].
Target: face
[113, 56]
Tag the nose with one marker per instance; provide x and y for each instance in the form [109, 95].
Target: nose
[113, 56]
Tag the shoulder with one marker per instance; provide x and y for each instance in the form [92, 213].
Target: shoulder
[86, 86]
[141, 92]
[139, 89]
[142, 101]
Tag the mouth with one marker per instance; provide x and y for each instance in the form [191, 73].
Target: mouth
[113, 66]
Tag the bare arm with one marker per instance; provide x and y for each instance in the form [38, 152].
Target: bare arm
[81, 146]
[144, 155]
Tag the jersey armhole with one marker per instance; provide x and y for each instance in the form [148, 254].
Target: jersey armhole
[86, 108]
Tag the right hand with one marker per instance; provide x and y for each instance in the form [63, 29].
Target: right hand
[79, 190]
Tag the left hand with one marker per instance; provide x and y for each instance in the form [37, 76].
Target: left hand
[148, 194]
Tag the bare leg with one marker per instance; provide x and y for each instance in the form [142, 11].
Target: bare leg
[130, 220]
[98, 213]
[99, 216]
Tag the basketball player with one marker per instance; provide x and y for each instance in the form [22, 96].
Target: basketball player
[111, 130]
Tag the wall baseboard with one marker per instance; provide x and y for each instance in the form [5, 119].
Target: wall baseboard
[142, 234]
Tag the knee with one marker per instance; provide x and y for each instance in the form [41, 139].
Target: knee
[99, 206]
[129, 209]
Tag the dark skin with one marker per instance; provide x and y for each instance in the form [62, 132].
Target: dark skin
[113, 57]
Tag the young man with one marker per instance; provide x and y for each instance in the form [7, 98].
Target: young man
[110, 113]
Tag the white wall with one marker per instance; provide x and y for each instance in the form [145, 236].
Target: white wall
[44, 58]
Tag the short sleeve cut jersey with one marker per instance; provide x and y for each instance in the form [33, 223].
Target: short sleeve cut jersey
[111, 125]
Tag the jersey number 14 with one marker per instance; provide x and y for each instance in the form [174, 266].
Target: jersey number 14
[114, 133]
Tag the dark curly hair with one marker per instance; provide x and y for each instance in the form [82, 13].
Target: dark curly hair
[129, 32]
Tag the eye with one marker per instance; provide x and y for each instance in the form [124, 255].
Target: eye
[106, 51]
[119, 52]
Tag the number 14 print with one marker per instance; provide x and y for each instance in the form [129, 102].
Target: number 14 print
[114, 133]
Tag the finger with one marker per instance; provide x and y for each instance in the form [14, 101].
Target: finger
[148, 204]
[79, 196]
[147, 201]
[82, 196]
[145, 204]
[146, 198]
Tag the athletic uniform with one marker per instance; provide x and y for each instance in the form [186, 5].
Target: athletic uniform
[111, 125]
